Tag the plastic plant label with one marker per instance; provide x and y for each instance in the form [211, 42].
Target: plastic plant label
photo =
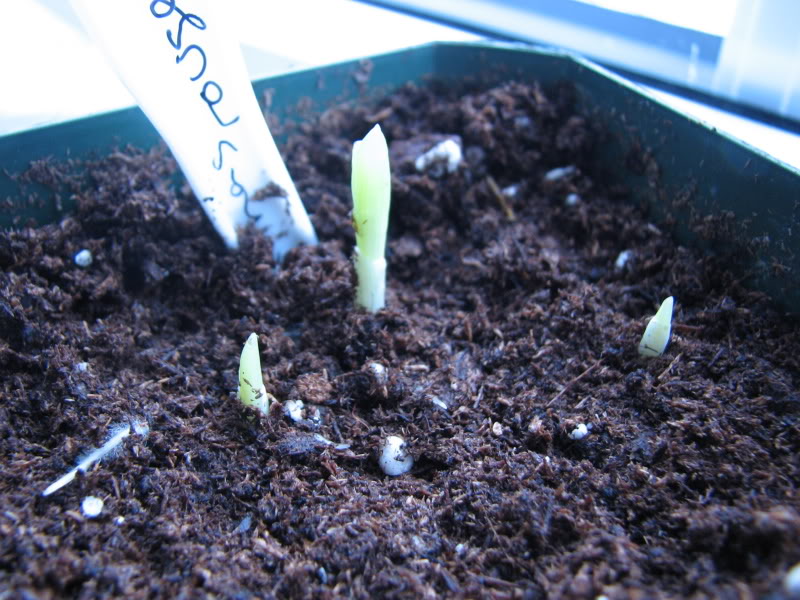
[189, 78]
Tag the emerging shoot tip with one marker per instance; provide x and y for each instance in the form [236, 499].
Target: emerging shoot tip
[251, 384]
[656, 335]
[371, 184]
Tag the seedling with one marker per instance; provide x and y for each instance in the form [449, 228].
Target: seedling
[656, 335]
[116, 435]
[251, 384]
[371, 184]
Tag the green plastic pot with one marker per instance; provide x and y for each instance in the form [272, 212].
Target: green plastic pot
[712, 174]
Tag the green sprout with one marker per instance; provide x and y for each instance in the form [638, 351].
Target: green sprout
[251, 385]
[371, 184]
[656, 335]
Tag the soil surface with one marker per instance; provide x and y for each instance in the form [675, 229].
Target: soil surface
[509, 325]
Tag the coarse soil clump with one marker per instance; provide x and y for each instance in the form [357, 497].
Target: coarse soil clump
[509, 323]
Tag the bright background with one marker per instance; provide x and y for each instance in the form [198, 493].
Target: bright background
[52, 72]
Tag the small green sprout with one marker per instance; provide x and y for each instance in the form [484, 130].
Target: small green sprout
[371, 184]
[251, 385]
[656, 335]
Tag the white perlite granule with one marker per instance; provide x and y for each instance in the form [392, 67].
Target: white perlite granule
[394, 459]
[83, 258]
[92, 506]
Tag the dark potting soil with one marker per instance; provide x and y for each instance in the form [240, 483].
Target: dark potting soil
[508, 326]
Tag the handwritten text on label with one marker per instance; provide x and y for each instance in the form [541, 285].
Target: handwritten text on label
[210, 91]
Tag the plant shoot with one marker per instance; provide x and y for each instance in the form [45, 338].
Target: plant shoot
[656, 335]
[251, 384]
[371, 184]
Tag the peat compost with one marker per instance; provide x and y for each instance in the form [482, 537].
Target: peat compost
[510, 323]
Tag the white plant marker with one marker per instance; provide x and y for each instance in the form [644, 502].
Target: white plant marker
[371, 184]
[251, 383]
[189, 78]
[656, 335]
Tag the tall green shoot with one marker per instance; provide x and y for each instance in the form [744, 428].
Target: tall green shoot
[371, 184]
